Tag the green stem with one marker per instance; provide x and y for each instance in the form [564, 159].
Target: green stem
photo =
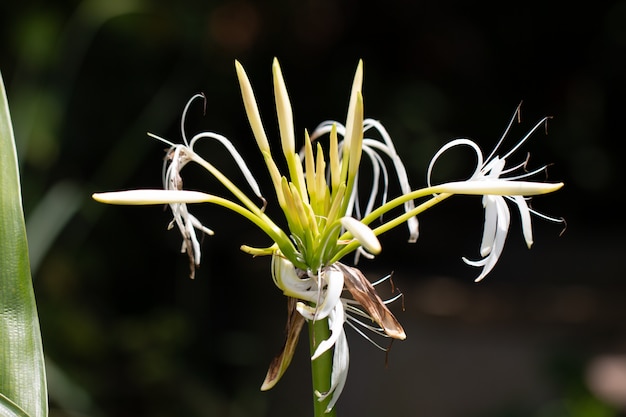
[321, 368]
[265, 224]
[251, 211]
[241, 196]
[350, 247]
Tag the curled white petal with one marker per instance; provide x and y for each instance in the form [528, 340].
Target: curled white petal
[241, 163]
[330, 298]
[286, 278]
[452, 144]
[362, 233]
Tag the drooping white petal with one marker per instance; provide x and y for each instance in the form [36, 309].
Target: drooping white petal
[378, 166]
[503, 216]
[339, 373]
[375, 149]
[390, 150]
[198, 225]
[491, 221]
[524, 211]
[335, 322]
[190, 233]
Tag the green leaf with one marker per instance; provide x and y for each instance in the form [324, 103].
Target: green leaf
[9, 409]
[22, 369]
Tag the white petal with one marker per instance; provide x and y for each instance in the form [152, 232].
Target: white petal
[489, 231]
[374, 148]
[452, 144]
[336, 329]
[377, 164]
[389, 149]
[330, 298]
[334, 280]
[524, 212]
[339, 374]
[503, 221]
[362, 233]
[286, 278]
[493, 169]
[241, 163]
[198, 225]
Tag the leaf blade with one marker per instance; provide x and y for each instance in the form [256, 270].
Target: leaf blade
[22, 368]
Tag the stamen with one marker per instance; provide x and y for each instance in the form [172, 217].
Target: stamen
[184, 117]
[366, 337]
[171, 144]
[517, 114]
[542, 215]
[378, 330]
[528, 135]
[383, 279]
[394, 298]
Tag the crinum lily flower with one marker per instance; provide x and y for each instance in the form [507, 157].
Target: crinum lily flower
[318, 197]
[332, 280]
[492, 172]
[326, 220]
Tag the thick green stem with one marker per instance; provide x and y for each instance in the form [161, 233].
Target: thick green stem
[321, 368]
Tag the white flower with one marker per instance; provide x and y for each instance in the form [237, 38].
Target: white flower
[177, 157]
[496, 182]
[325, 290]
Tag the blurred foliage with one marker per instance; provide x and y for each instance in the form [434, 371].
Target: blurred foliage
[127, 333]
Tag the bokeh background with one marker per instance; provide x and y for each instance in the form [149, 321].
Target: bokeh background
[127, 333]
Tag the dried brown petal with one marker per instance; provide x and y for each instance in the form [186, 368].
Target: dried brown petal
[365, 294]
[281, 362]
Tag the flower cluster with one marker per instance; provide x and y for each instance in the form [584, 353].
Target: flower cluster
[327, 217]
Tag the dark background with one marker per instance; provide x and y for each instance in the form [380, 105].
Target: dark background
[127, 333]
